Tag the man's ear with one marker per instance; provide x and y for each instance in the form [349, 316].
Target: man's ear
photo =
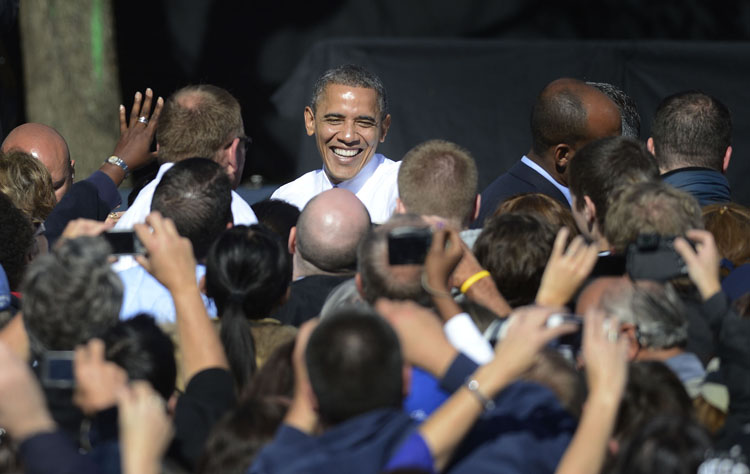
[309, 121]
[358, 282]
[727, 157]
[628, 331]
[650, 145]
[589, 210]
[384, 127]
[563, 154]
[477, 207]
[400, 208]
[292, 242]
[406, 380]
[202, 284]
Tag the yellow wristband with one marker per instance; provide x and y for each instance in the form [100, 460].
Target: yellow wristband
[473, 279]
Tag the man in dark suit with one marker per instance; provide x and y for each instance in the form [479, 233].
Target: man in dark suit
[567, 114]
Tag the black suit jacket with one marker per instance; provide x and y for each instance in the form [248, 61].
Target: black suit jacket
[307, 298]
[518, 180]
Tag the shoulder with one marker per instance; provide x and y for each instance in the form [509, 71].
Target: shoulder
[301, 190]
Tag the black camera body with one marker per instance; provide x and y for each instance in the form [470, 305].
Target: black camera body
[409, 245]
[653, 257]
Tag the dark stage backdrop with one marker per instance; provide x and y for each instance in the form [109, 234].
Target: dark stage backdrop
[479, 93]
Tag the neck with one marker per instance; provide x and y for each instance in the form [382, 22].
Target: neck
[303, 268]
[549, 166]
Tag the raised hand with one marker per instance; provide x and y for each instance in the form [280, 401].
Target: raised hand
[137, 134]
[566, 269]
[703, 262]
[169, 256]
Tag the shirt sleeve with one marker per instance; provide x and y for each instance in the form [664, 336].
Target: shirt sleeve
[464, 335]
[461, 368]
[106, 188]
[413, 454]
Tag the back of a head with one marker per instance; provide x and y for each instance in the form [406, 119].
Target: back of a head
[355, 366]
[26, 181]
[16, 236]
[515, 248]
[329, 230]
[146, 352]
[71, 294]
[439, 178]
[652, 389]
[651, 207]
[691, 129]
[668, 445]
[350, 75]
[631, 119]
[379, 278]
[603, 166]
[277, 215]
[730, 225]
[197, 195]
[558, 116]
[248, 271]
[654, 308]
[542, 206]
[198, 120]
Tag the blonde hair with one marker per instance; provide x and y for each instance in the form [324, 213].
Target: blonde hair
[27, 183]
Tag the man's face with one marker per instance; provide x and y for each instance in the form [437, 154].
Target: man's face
[347, 128]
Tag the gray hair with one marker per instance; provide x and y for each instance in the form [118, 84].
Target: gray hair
[655, 309]
[71, 294]
[354, 76]
[631, 119]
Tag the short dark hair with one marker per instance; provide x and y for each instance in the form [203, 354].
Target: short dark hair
[71, 294]
[603, 166]
[514, 248]
[197, 195]
[146, 352]
[650, 207]
[277, 215]
[17, 237]
[355, 365]
[351, 75]
[631, 119]
[248, 271]
[439, 178]
[557, 118]
[378, 276]
[691, 128]
[198, 120]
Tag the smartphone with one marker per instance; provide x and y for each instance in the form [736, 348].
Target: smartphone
[57, 369]
[124, 242]
[409, 245]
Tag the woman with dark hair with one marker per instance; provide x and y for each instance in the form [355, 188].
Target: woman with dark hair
[248, 272]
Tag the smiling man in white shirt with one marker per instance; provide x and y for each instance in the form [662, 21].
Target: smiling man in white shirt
[348, 115]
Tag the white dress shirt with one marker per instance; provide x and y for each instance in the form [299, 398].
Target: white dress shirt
[136, 214]
[566, 192]
[376, 185]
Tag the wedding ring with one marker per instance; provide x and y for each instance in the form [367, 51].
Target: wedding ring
[143, 120]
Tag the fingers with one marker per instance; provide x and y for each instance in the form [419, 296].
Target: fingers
[135, 110]
[438, 240]
[686, 251]
[558, 248]
[155, 115]
[123, 120]
[146, 108]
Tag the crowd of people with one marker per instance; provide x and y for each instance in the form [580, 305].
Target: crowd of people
[586, 313]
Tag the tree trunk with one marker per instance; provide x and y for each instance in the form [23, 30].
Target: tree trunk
[70, 74]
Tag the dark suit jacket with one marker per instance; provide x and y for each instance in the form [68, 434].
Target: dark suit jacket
[518, 180]
[307, 298]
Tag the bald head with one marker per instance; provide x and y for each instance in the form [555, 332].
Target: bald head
[329, 230]
[49, 147]
[591, 296]
[568, 114]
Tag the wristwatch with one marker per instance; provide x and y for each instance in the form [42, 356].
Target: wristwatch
[117, 161]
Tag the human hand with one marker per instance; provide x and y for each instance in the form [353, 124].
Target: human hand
[23, 411]
[169, 256]
[605, 356]
[703, 262]
[566, 269]
[135, 136]
[420, 333]
[84, 227]
[527, 333]
[145, 428]
[98, 381]
[466, 268]
[445, 253]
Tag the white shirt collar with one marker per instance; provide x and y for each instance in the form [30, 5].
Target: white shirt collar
[566, 192]
[356, 183]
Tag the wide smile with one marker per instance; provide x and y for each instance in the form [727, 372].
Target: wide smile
[345, 154]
